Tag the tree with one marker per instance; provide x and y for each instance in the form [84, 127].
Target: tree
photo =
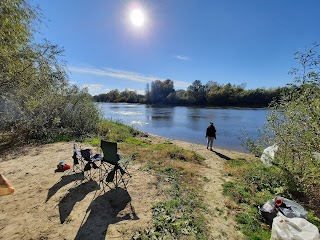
[33, 82]
[197, 93]
[160, 90]
[294, 124]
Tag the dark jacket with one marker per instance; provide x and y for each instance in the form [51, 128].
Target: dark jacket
[211, 131]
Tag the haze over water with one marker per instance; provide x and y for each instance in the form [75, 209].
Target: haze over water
[190, 123]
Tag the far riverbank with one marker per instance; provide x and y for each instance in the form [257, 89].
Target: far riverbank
[189, 123]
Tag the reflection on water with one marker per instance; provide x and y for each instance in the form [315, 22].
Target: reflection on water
[160, 117]
[189, 123]
[140, 123]
[127, 113]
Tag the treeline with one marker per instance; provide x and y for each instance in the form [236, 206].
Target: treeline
[209, 94]
[36, 101]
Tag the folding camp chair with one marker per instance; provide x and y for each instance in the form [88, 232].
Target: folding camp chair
[83, 162]
[113, 168]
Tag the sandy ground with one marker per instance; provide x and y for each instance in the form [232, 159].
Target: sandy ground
[56, 205]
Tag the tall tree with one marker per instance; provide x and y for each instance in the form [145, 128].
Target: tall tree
[160, 90]
[197, 93]
[33, 83]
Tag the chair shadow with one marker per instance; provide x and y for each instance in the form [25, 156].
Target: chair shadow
[221, 155]
[105, 210]
[75, 195]
[64, 180]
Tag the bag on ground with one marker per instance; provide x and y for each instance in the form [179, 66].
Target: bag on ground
[284, 228]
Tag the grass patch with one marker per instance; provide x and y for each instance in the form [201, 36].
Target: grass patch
[137, 142]
[113, 132]
[116, 131]
[252, 185]
[171, 151]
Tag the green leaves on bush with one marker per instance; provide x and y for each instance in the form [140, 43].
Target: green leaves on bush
[36, 100]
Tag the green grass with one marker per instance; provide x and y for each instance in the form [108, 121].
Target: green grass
[116, 131]
[252, 185]
[113, 132]
[137, 142]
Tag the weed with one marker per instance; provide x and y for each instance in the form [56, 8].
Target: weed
[313, 219]
[206, 179]
[137, 142]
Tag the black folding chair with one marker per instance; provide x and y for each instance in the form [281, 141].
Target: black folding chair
[83, 162]
[113, 168]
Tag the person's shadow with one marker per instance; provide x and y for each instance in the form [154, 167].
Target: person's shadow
[221, 155]
[75, 195]
[104, 210]
[63, 181]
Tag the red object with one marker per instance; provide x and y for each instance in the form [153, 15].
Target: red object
[66, 167]
[278, 202]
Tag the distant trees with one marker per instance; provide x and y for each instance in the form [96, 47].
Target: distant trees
[210, 94]
[197, 93]
[127, 96]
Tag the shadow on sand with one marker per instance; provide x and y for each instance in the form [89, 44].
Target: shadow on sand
[221, 155]
[63, 181]
[75, 195]
[105, 210]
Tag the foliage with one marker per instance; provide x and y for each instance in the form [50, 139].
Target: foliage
[294, 125]
[252, 185]
[116, 131]
[210, 94]
[127, 96]
[36, 102]
[160, 90]
[197, 93]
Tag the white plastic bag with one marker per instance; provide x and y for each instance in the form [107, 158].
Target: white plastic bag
[267, 156]
[284, 228]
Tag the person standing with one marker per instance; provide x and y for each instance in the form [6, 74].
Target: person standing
[210, 135]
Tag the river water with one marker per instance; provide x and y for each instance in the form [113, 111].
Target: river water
[190, 123]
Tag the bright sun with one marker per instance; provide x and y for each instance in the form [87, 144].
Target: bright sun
[137, 17]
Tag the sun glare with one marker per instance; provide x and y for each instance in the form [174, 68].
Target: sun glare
[137, 17]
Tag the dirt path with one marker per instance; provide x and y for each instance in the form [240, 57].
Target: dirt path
[219, 218]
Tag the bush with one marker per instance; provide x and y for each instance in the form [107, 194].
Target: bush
[36, 101]
[294, 125]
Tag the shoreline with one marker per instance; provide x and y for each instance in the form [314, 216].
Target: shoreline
[225, 154]
[200, 145]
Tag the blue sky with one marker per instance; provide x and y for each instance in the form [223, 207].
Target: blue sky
[248, 41]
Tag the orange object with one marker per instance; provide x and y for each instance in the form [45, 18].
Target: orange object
[5, 186]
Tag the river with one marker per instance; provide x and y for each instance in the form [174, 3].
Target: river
[190, 123]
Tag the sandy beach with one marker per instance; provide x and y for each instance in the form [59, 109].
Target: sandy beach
[61, 205]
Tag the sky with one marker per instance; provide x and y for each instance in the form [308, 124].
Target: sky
[125, 44]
